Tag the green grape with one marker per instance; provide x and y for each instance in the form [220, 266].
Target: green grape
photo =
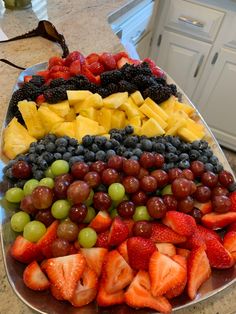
[30, 185]
[167, 190]
[49, 182]
[14, 195]
[60, 209]
[89, 200]
[34, 230]
[116, 203]
[114, 213]
[141, 213]
[116, 191]
[48, 173]
[90, 215]
[59, 167]
[87, 237]
[19, 220]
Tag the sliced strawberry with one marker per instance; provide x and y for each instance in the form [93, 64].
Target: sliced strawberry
[96, 68]
[91, 58]
[92, 78]
[180, 260]
[158, 72]
[56, 293]
[232, 197]
[45, 242]
[165, 274]
[120, 55]
[25, 251]
[108, 61]
[95, 257]
[34, 278]
[122, 61]
[75, 67]
[74, 55]
[59, 74]
[208, 233]
[199, 270]
[166, 248]
[205, 208]
[59, 68]
[116, 273]
[139, 252]
[179, 222]
[55, 61]
[194, 241]
[40, 99]
[102, 240]
[122, 249]
[129, 223]
[182, 252]
[151, 63]
[27, 78]
[162, 233]
[64, 272]
[101, 222]
[86, 289]
[44, 74]
[118, 232]
[108, 299]
[139, 295]
[215, 220]
[232, 227]
[229, 243]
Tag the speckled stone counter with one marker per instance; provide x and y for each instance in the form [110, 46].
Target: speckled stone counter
[85, 27]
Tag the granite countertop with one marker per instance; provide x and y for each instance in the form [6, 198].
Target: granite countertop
[85, 27]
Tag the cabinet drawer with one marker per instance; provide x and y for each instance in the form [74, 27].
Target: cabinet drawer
[194, 19]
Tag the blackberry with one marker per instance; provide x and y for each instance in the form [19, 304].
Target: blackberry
[125, 86]
[144, 68]
[129, 71]
[173, 89]
[13, 110]
[57, 82]
[31, 92]
[104, 92]
[37, 80]
[158, 93]
[56, 94]
[112, 88]
[113, 76]
[143, 81]
[160, 80]
[78, 81]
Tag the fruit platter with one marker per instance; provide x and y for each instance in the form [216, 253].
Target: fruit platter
[115, 195]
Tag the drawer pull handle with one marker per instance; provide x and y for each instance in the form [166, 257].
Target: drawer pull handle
[138, 36]
[191, 21]
[198, 66]
[215, 58]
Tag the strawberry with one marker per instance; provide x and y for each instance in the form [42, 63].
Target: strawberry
[208, 233]
[102, 240]
[129, 223]
[55, 61]
[194, 241]
[205, 208]
[158, 72]
[64, 272]
[162, 233]
[91, 58]
[122, 61]
[165, 274]
[179, 222]
[118, 232]
[40, 99]
[56, 293]
[199, 270]
[59, 68]
[151, 63]
[108, 61]
[75, 67]
[59, 74]
[232, 197]
[96, 68]
[101, 222]
[27, 78]
[139, 252]
[181, 260]
[34, 278]
[215, 220]
[229, 243]
[94, 258]
[45, 242]
[44, 74]
[75, 55]
[86, 289]
[120, 55]
[232, 227]
[25, 251]
[139, 295]
[122, 249]
[92, 78]
[182, 252]
[116, 273]
[166, 248]
[107, 299]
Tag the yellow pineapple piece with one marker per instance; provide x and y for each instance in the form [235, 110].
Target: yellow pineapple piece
[64, 128]
[131, 110]
[70, 116]
[157, 109]
[89, 112]
[86, 126]
[136, 123]
[137, 98]
[104, 118]
[173, 130]
[169, 105]
[114, 101]
[175, 118]
[108, 136]
[151, 128]
[196, 128]
[118, 119]
[94, 100]
[16, 139]
[77, 96]
[61, 109]
[187, 135]
[29, 112]
[145, 109]
[189, 110]
[48, 118]
[78, 107]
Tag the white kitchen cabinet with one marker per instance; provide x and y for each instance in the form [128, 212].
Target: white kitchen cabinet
[143, 46]
[183, 59]
[217, 103]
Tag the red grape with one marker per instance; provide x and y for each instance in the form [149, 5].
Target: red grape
[197, 215]
[186, 205]
[98, 166]
[159, 160]
[60, 247]
[78, 213]
[131, 167]
[131, 184]
[139, 198]
[170, 202]
[187, 174]
[78, 192]
[148, 184]
[181, 187]
[110, 176]
[209, 179]
[68, 230]
[42, 197]
[61, 185]
[147, 160]
[79, 169]
[101, 201]
[219, 190]
[45, 217]
[142, 173]
[142, 229]
[221, 203]
[115, 162]
[92, 178]
[21, 170]
[174, 173]
[202, 194]
[193, 187]
[156, 207]
[126, 209]
[27, 206]
[226, 178]
[197, 168]
[161, 177]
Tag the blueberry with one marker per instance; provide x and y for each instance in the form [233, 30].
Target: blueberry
[94, 148]
[75, 159]
[73, 141]
[196, 145]
[79, 150]
[134, 157]
[100, 155]
[48, 157]
[168, 166]
[61, 149]
[100, 140]
[9, 174]
[170, 148]
[120, 150]
[110, 153]
[50, 147]
[184, 164]
[129, 129]
[61, 141]
[32, 157]
[209, 167]
[40, 148]
[130, 142]
[71, 149]
[184, 147]
[203, 144]
[137, 152]
[33, 144]
[101, 188]
[194, 154]
[171, 157]
[115, 143]
[32, 150]
[146, 145]
[52, 137]
[66, 156]
[117, 136]
[89, 156]
[213, 160]
[208, 152]
[58, 156]
[232, 187]
[203, 159]
[159, 147]
[218, 168]
[87, 140]
[184, 156]
[127, 154]
[175, 141]
[108, 145]
[20, 184]
[43, 165]
[38, 174]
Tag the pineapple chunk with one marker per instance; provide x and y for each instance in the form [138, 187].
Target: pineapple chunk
[61, 108]
[64, 128]
[86, 126]
[196, 128]
[136, 124]
[16, 139]
[151, 114]
[89, 112]
[131, 110]
[175, 118]
[157, 109]
[187, 135]
[189, 110]
[77, 96]
[28, 110]
[78, 107]
[118, 119]
[104, 118]
[169, 105]
[114, 101]
[48, 118]
[94, 100]
[173, 130]
[151, 128]
[70, 116]
[137, 98]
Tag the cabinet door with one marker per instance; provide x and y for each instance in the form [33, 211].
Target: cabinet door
[218, 105]
[183, 59]
[143, 46]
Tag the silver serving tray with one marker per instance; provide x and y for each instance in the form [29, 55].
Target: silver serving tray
[43, 302]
